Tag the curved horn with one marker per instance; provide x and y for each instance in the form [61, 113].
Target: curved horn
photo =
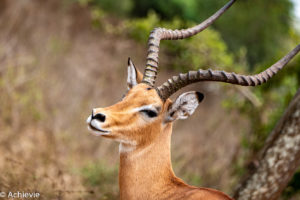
[166, 34]
[177, 82]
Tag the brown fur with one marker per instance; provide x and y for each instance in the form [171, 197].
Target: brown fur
[146, 171]
[139, 77]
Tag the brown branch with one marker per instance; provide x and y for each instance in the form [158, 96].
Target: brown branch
[278, 161]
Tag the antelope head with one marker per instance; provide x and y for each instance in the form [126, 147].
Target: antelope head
[146, 109]
[142, 114]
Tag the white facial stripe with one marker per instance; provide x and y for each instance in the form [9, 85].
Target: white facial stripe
[146, 107]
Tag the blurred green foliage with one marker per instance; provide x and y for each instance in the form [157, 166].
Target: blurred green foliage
[266, 22]
[103, 178]
[293, 187]
[20, 96]
[123, 7]
[202, 51]
[192, 178]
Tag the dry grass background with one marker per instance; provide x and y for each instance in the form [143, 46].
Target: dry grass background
[54, 68]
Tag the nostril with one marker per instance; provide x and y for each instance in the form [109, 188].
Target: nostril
[99, 117]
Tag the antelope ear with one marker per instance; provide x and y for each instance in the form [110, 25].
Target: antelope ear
[184, 106]
[134, 76]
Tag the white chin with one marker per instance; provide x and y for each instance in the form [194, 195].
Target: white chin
[97, 133]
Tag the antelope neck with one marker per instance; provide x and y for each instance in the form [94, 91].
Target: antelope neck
[146, 173]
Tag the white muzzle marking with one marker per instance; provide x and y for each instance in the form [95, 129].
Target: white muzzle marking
[95, 127]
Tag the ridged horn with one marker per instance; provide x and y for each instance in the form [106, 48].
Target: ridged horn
[177, 82]
[167, 34]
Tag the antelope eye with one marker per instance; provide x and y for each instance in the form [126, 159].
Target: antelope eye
[149, 113]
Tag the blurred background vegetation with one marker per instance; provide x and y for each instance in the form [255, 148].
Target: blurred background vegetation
[59, 59]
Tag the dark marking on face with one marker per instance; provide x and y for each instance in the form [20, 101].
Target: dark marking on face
[149, 88]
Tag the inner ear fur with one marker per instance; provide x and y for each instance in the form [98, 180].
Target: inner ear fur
[184, 106]
[139, 75]
[134, 76]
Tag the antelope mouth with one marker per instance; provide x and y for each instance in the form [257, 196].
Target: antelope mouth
[94, 127]
[98, 131]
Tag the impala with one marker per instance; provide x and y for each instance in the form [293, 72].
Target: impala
[142, 121]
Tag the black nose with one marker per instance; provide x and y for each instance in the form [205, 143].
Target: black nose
[99, 116]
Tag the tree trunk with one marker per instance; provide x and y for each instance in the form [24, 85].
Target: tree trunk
[278, 160]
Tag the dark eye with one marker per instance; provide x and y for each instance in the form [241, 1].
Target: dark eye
[149, 113]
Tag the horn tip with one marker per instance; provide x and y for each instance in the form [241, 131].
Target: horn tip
[129, 61]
